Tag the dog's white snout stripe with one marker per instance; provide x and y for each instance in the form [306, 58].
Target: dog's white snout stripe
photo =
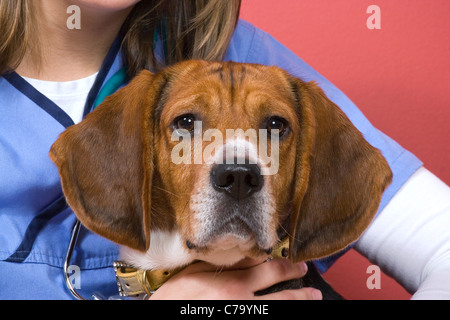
[235, 151]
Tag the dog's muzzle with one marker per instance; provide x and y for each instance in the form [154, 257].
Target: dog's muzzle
[234, 208]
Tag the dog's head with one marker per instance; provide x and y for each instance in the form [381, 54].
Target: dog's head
[162, 160]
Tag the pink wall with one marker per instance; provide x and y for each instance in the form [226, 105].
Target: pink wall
[399, 76]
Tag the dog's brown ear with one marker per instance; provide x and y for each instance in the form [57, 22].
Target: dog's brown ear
[106, 164]
[340, 178]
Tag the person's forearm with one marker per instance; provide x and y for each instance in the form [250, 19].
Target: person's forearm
[410, 239]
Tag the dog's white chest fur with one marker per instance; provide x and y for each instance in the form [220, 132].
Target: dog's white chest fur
[168, 251]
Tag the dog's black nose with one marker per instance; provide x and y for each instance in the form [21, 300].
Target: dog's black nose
[237, 180]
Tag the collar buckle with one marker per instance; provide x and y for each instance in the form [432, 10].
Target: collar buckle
[133, 282]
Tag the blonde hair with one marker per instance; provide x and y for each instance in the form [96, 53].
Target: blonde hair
[188, 29]
[15, 32]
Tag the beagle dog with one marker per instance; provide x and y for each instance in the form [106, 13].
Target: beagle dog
[215, 198]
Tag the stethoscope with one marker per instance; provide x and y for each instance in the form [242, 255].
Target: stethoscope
[111, 86]
[72, 243]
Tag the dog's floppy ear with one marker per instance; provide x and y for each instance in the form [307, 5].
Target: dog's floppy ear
[106, 164]
[340, 177]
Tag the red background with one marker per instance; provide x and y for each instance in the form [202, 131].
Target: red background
[399, 76]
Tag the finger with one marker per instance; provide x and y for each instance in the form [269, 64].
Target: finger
[272, 272]
[246, 263]
[206, 267]
[200, 267]
[298, 294]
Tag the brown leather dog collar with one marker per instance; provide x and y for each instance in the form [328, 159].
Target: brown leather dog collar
[132, 281]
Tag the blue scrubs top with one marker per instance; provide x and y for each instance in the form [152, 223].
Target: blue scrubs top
[35, 222]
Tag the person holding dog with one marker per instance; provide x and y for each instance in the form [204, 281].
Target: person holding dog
[52, 76]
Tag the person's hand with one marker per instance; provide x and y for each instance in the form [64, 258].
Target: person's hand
[203, 281]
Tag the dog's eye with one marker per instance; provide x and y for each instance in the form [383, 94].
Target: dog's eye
[185, 121]
[277, 123]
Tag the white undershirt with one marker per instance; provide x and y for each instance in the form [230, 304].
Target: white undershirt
[409, 240]
[68, 95]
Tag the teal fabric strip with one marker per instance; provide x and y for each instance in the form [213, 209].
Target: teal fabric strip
[113, 84]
